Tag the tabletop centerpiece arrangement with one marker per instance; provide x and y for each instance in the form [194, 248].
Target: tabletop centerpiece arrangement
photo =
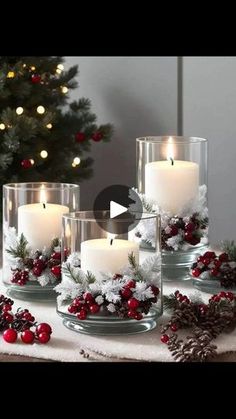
[32, 217]
[108, 285]
[172, 181]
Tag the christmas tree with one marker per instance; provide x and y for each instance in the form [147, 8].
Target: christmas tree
[42, 139]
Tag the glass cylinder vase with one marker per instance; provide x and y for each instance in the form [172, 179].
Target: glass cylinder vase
[172, 181]
[32, 223]
[109, 286]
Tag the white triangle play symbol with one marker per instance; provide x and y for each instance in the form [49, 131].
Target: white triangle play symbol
[116, 209]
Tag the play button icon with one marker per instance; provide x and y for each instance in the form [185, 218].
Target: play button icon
[116, 209]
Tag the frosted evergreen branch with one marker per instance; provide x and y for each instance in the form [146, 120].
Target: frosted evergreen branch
[90, 277]
[55, 243]
[135, 267]
[20, 251]
[230, 248]
[68, 271]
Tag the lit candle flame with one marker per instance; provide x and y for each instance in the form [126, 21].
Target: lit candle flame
[43, 199]
[170, 150]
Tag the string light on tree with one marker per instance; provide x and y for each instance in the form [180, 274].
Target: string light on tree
[32, 161]
[40, 109]
[19, 110]
[44, 154]
[10, 74]
[49, 126]
[60, 67]
[2, 126]
[64, 89]
[24, 66]
[33, 68]
[76, 161]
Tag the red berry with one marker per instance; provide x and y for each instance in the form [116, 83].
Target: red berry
[77, 302]
[224, 257]
[210, 255]
[230, 295]
[133, 303]
[80, 137]
[35, 78]
[73, 309]
[174, 230]
[56, 256]
[24, 276]
[196, 272]
[165, 338]
[206, 261]
[131, 284]
[16, 276]
[126, 293]
[37, 271]
[188, 236]
[10, 335]
[132, 314]
[177, 293]
[88, 297]
[27, 336]
[7, 307]
[21, 282]
[214, 272]
[185, 299]
[8, 317]
[26, 163]
[222, 294]
[27, 316]
[56, 270]
[44, 337]
[97, 136]
[200, 258]
[43, 328]
[94, 308]
[217, 263]
[195, 240]
[155, 290]
[82, 314]
[189, 227]
[174, 327]
[217, 298]
[138, 316]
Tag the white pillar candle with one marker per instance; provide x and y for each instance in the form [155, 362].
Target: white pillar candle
[171, 183]
[41, 222]
[99, 255]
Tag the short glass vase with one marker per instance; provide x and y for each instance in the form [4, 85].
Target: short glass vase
[110, 286]
[32, 224]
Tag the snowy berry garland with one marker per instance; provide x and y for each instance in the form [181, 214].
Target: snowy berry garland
[179, 232]
[42, 266]
[129, 294]
[220, 268]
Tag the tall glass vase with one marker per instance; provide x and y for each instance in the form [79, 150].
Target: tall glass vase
[172, 181]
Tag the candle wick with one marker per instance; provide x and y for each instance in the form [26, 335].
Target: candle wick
[172, 161]
[111, 242]
[44, 205]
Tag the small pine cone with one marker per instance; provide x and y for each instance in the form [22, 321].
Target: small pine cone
[184, 316]
[29, 263]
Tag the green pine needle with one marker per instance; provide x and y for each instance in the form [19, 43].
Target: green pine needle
[230, 248]
[20, 250]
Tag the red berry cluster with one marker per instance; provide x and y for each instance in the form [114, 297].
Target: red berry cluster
[223, 296]
[217, 266]
[80, 137]
[128, 306]
[37, 266]
[21, 322]
[191, 231]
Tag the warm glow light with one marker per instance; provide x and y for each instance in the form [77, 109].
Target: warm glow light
[44, 154]
[43, 199]
[170, 149]
[32, 161]
[2, 126]
[33, 68]
[64, 89]
[24, 65]
[60, 66]
[10, 74]
[49, 126]
[73, 164]
[19, 110]
[58, 71]
[40, 109]
[76, 161]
